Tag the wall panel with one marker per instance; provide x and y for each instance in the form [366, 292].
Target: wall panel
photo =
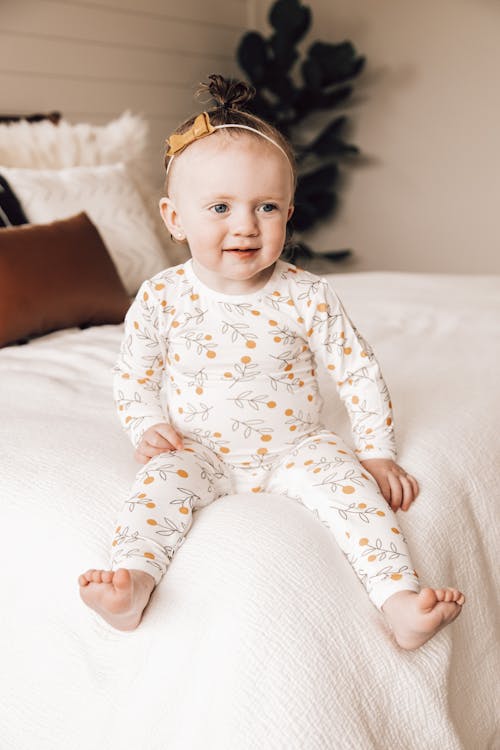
[94, 60]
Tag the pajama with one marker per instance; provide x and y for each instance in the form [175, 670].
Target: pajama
[235, 375]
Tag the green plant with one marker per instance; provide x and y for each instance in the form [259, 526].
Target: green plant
[324, 73]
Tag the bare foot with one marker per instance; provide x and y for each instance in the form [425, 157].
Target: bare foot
[120, 596]
[415, 618]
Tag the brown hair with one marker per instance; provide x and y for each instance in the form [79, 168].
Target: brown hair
[230, 97]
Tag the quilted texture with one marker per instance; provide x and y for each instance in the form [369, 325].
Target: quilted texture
[260, 636]
[113, 204]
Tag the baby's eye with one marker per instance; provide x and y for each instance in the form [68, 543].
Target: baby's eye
[219, 208]
[268, 207]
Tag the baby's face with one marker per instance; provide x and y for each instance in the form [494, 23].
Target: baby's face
[231, 197]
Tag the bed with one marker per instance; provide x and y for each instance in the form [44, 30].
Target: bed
[254, 641]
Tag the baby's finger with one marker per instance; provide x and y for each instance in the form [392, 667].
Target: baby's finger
[383, 486]
[140, 456]
[168, 433]
[396, 490]
[408, 494]
[414, 484]
[151, 450]
[156, 440]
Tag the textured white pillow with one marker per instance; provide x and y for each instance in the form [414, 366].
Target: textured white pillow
[109, 197]
[43, 145]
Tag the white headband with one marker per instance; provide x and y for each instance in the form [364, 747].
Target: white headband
[203, 127]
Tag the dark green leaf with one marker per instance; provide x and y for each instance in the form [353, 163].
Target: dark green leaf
[312, 75]
[290, 18]
[284, 53]
[253, 56]
[337, 62]
[311, 207]
[309, 99]
[317, 180]
[330, 143]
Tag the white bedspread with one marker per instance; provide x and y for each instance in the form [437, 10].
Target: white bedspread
[254, 640]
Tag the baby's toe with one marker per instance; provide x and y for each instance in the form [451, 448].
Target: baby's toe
[97, 576]
[107, 576]
[440, 594]
[426, 599]
[449, 595]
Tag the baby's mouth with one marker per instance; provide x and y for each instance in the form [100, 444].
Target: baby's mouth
[241, 249]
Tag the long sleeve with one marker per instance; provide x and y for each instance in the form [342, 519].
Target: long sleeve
[350, 360]
[138, 372]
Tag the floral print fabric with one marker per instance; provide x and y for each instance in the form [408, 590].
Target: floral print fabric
[236, 375]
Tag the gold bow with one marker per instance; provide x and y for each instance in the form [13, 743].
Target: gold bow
[200, 128]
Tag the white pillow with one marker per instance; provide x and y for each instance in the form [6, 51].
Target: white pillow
[107, 194]
[43, 145]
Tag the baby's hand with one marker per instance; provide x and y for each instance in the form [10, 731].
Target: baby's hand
[158, 439]
[399, 488]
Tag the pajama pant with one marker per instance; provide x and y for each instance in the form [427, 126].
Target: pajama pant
[320, 472]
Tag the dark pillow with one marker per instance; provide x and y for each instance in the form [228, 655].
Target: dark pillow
[56, 275]
[11, 213]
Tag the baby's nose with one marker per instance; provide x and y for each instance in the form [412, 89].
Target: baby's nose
[245, 223]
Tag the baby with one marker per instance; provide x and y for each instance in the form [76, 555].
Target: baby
[216, 383]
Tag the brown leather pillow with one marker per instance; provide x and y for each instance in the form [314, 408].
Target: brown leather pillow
[56, 275]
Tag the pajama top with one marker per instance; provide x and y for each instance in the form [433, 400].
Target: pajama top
[238, 373]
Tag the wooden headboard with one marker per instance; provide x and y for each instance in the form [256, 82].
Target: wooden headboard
[53, 117]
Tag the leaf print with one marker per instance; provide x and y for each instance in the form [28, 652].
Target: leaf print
[243, 400]
[250, 425]
[290, 385]
[215, 471]
[310, 288]
[193, 412]
[205, 438]
[148, 338]
[198, 378]
[197, 318]
[201, 341]
[168, 528]
[241, 308]
[245, 373]
[188, 495]
[127, 344]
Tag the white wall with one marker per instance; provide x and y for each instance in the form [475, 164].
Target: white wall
[427, 116]
[426, 113]
[93, 60]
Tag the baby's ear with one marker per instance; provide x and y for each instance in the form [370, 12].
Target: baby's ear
[169, 215]
[291, 209]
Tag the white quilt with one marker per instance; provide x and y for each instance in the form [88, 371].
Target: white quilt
[254, 641]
